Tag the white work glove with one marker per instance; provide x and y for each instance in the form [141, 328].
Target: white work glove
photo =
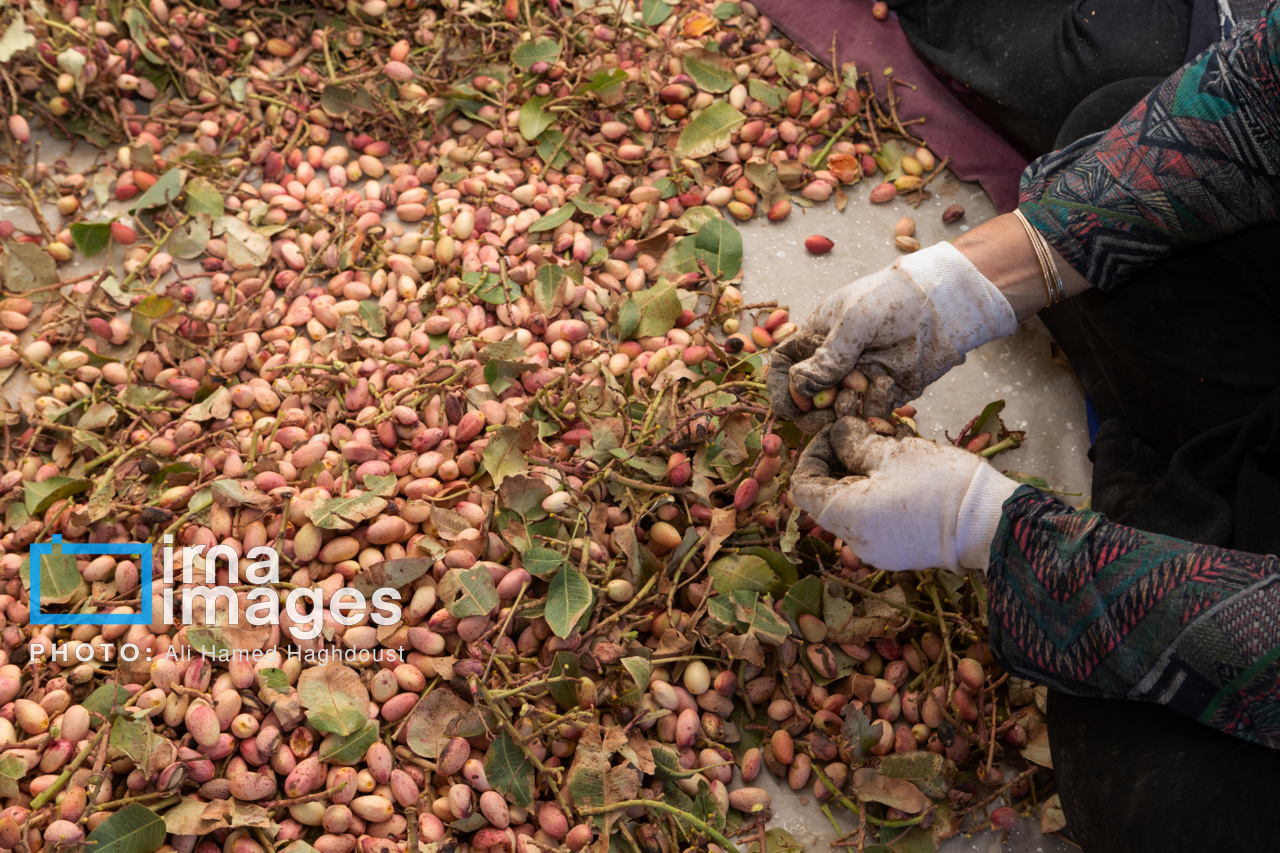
[903, 326]
[901, 504]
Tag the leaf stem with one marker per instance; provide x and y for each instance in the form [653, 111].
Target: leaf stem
[52, 791]
[715, 835]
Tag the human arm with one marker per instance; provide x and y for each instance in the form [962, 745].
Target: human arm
[1198, 159]
[1074, 601]
[1099, 609]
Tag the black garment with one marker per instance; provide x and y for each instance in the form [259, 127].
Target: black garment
[1183, 367]
[1034, 60]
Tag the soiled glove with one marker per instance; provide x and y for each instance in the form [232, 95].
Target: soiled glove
[901, 504]
[903, 326]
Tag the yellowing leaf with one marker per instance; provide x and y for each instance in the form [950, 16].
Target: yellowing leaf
[697, 24]
[334, 697]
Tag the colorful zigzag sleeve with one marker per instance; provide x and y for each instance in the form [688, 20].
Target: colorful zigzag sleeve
[1098, 609]
[1198, 159]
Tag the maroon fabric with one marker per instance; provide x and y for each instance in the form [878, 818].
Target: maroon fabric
[977, 151]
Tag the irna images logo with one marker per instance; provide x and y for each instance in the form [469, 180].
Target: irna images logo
[42, 551]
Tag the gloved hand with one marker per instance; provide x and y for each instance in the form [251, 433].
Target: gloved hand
[901, 504]
[903, 326]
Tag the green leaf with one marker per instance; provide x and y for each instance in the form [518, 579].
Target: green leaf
[374, 318]
[628, 318]
[554, 219]
[551, 149]
[590, 208]
[725, 11]
[501, 374]
[720, 245]
[771, 95]
[340, 100]
[640, 671]
[137, 739]
[203, 197]
[345, 513]
[348, 749]
[526, 54]
[741, 572]
[91, 237]
[654, 312]
[542, 562]
[334, 698]
[504, 455]
[510, 772]
[924, 769]
[755, 615]
[534, 118]
[711, 72]
[568, 598]
[468, 592]
[859, 732]
[711, 131]
[495, 290]
[133, 829]
[37, 497]
[163, 191]
[154, 307]
[27, 267]
[216, 405]
[607, 84]
[782, 567]
[12, 769]
[59, 579]
[106, 697]
[391, 574]
[273, 679]
[548, 289]
[805, 596]
[654, 12]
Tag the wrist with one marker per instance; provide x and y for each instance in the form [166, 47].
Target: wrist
[979, 516]
[1000, 251]
[973, 311]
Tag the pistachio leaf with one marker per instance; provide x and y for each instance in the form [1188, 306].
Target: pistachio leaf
[741, 572]
[204, 197]
[334, 698]
[510, 772]
[133, 829]
[568, 598]
[526, 54]
[349, 749]
[870, 786]
[712, 72]
[720, 245]
[711, 131]
[90, 237]
[534, 117]
[164, 190]
[468, 592]
[554, 219]
[345, 513]
[37, 497]
[27, 267]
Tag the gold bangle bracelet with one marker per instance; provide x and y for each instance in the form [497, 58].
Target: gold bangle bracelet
[1054, 290]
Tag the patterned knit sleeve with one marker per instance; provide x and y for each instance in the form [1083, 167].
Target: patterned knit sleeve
[1198, 159]
[1098, 609]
